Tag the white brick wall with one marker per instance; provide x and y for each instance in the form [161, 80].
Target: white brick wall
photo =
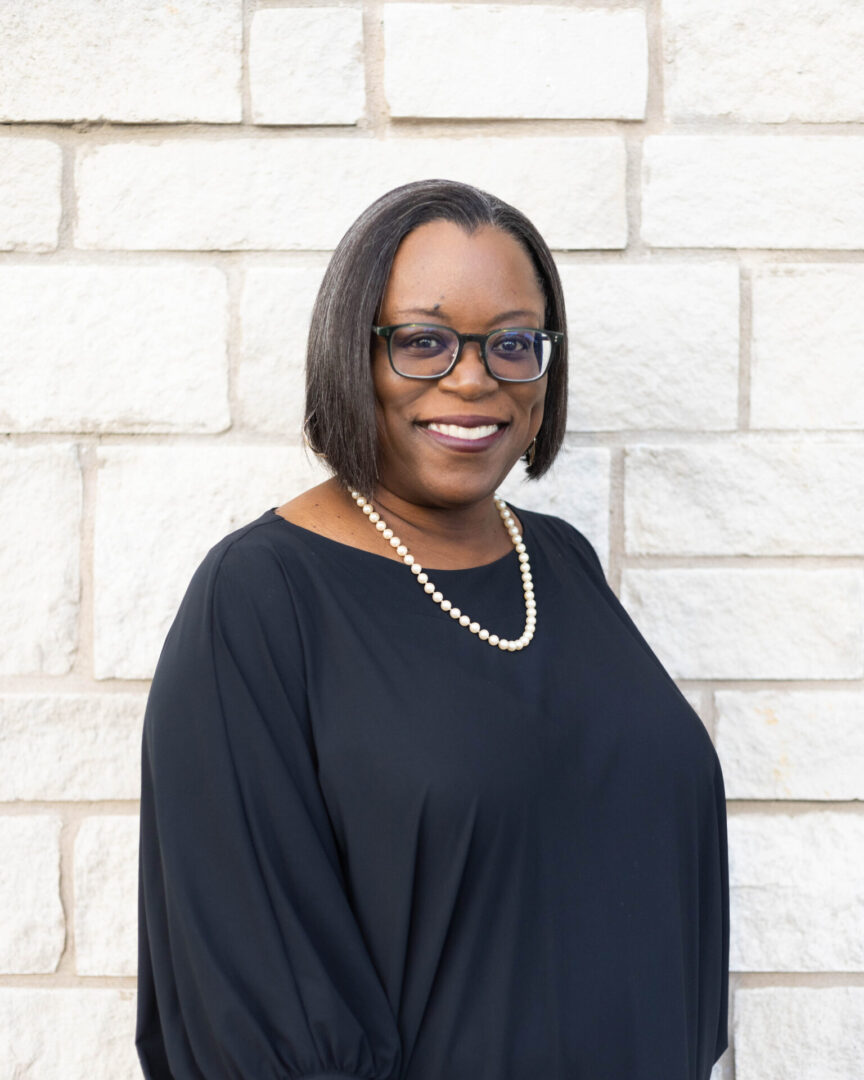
[172, 179]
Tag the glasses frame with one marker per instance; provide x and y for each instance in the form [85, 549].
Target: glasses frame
[387, 332]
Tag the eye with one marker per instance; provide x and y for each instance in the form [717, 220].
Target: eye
[512, 344]
[420, 340]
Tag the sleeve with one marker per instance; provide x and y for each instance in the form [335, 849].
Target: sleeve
[251, 963]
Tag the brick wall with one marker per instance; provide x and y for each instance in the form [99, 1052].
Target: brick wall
[172, 177]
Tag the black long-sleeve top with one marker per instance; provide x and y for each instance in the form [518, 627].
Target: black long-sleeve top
[375, 848]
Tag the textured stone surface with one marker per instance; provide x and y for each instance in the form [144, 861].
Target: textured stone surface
[70, 746]
[106, 896]
[652, 346]
[32, 929]
[85, 1034]
[751, 624]
[304, 192]
[306, 65]
[193, 495]
[777, 744]
[808, 340]
[759, 497]
[40, 492]
[783, 1032]
[113, 348]
[796, 892]
[114, 60]
[274, 312]
[764, 60]
[576, 489]
[753, 191]
[569, 63]
[29, 195]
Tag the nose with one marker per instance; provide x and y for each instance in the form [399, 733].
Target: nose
[469, 377]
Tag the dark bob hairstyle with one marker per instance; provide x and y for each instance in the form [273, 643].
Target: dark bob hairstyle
[340, 402]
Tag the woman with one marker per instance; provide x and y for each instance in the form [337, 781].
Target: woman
[385, 839]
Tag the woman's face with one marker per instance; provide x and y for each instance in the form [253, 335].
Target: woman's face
[474, 283]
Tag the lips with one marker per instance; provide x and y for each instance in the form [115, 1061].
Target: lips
[467, 433]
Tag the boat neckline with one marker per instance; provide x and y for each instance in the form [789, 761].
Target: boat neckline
[329, 541]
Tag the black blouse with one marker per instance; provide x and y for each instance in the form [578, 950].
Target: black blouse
[373, 847]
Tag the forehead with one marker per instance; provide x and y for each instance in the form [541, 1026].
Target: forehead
[441, 265]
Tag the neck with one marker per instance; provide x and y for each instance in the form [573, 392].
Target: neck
[445, 537]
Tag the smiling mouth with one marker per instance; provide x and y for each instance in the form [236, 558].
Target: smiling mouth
[456, 431]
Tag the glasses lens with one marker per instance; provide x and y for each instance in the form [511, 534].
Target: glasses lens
[519, 354]
[422, 350]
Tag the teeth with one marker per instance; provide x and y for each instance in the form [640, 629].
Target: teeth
[457, 432]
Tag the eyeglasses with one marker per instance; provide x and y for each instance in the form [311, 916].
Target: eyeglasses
[429, 351]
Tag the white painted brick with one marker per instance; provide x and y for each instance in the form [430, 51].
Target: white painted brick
[808, 342]
[275, 309]
[464, 60]
[725, 1067]
[194, 495]
[106, 896]
[306, 65]
[753, 191]
[40, 505]
[777, 744]
[83, 1034]
[576, 488]
[70, 746]
[30, 172]
[652, 346]
[796, 885]
[32, 929]
[759, 497]
[113, 348]
[115, 60]
[783, 1032]
[764, 60]
[751, 624]
[305, 192]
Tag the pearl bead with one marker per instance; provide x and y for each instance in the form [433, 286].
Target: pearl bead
[503, 645]
[429, 587]
[493, 639]
[386, 533]
[375, 516]
[408, 560]
[367, 509]
[445, 605]
[455, 613]
[361, 502]
[380, 526]
[395, 541]
[483, 635]
[437, 597]
[523, 556]
[422, 578]
[464, 620]
[474, 627]
[402, 550]
[416, 568]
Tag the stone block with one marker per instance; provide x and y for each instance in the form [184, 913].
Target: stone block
[65, 1034]
[70, 746]
[40, 492]
[755, 497]
[106, 895]
[569, 63]
[808, 340]
[787, 744]
[652, 346]
[30, 172]
[711, 623]
[193, 495]
[275, 309]
[33, 929]
[114, 348]
[304, 192]
[796, 884]
[306, 65]
[797, 1031]
[753, 191]
[764, 61]
[576, 488]
[112, 60]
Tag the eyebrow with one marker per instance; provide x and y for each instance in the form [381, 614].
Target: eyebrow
[432, 313]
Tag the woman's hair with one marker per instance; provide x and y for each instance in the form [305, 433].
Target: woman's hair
[340, 401]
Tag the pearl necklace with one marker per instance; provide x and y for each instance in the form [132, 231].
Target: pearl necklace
[438, 597]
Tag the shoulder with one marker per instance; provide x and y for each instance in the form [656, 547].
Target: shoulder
[561, 538]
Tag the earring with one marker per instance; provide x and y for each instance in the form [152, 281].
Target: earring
[531, 452]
